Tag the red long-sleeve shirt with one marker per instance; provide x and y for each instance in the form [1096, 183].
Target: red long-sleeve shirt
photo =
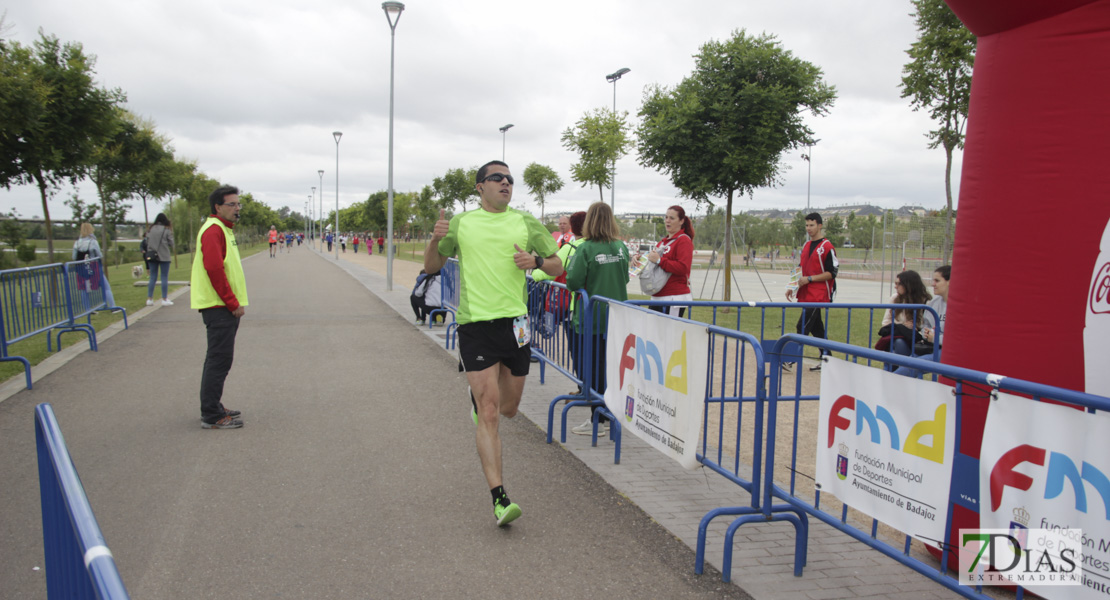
[676, 256]
[213, 246]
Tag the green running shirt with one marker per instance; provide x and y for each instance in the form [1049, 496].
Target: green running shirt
[492, 287]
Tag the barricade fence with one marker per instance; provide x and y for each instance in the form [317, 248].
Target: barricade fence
[450, 289]
[78, 562]
[793, 434]
[748, 346]
[50, 298]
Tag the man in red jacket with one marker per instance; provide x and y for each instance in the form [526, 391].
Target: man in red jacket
[817, 282]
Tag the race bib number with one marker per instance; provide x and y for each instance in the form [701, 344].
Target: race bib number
[522, 331]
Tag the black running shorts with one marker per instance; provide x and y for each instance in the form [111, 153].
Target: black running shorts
[483, 344]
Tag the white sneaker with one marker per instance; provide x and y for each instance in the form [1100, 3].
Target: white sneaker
[587, 428]
[150, 303]
[167, 303]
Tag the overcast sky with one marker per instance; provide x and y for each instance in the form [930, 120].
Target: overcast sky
[252, 90]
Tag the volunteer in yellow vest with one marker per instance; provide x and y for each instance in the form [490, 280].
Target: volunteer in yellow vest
[219, 292]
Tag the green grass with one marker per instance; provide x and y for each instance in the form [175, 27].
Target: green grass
[127, 295]
[864, 326]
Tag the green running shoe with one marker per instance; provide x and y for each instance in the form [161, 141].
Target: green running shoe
[506, 514]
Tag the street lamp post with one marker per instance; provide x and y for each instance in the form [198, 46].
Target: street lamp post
[613, 78]
[393, 16]
[307, 204]
[312, 216]
[808, 157]
[335, 234]
[503, 130]
[320, 215]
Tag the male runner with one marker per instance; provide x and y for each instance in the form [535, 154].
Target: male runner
[494, 245]
[273, 241]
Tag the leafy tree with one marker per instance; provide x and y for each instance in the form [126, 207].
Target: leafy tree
[938, 79]
[26, 252]
[55, 139]
[862, 231]
[542, 181]
[600, 137]
[456, 185]
[10, 231]
[725, 128]
[82, 213]
[834, 230]
[152, 172]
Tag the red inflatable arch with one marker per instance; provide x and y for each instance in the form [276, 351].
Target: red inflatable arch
[1031, 279]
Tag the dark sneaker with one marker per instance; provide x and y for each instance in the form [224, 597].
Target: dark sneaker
[787, 367]
[223, 423]
[230, 413]
[816, 368]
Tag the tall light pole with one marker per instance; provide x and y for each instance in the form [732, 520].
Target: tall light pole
[808, 157]
[613, 78]
[393, 16]
[312, 216]
[306, 205]
[335, 234]
[320, 215]
[503, 130]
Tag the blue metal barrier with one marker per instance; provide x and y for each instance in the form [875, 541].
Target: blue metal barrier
[798, 498]
[78, 562]
[450, 286]
[51, 298]
[88, 292]
[32, 301]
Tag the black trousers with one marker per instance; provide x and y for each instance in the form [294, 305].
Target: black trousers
[809, 323]
[597, 378]
[422, 310]
[222, 327]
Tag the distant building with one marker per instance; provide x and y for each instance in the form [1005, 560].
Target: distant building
[861, 210]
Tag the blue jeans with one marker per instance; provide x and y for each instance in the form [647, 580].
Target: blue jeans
[916, 373]
[156, 266]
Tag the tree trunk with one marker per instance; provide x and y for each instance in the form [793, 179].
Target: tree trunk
[601, 192]
[728, 248]
[146, 215]
[46, 216]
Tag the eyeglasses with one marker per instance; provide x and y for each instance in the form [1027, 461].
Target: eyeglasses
[233, 204]
[498, 177]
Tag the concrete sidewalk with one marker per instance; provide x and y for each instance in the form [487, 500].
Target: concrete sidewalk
[354, 477]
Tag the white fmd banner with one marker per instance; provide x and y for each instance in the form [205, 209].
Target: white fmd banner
[655, 373]
[1045, 466]
[885, 446]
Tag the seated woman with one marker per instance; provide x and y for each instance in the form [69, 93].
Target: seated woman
[904, 325]
[931, 331]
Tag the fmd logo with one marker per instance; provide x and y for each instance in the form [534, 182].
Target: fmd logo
[847, 409]
[644, 357]
[1055, 469]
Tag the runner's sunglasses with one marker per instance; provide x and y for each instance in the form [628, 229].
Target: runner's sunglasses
[497, 177]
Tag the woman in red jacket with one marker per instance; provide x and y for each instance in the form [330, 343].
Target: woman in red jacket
[675, 255]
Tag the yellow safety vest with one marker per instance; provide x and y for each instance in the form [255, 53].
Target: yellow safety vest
[203, 295]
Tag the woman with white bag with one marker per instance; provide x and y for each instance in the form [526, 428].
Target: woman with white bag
[674, 254]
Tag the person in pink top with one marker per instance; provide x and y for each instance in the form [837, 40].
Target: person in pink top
[675, 255]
